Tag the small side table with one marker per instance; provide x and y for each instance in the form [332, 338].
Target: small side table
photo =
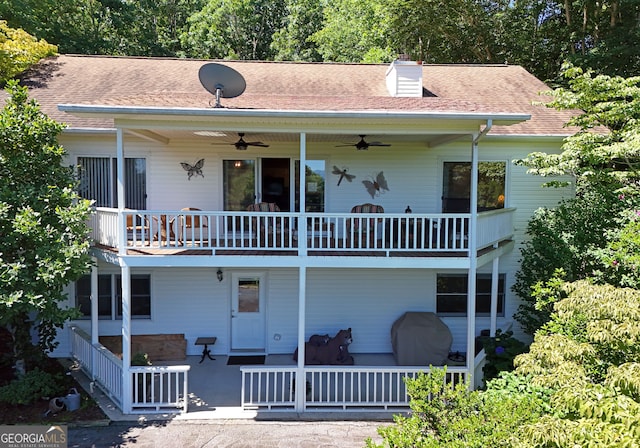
[205, 351]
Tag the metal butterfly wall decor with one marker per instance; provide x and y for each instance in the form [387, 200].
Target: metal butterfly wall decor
[377, 186]
[193, 170]
[343, 174]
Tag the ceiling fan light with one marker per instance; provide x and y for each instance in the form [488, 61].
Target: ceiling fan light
[241, 146]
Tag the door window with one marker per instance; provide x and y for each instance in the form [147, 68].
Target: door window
[456, 188]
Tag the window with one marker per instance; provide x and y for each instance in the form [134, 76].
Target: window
[456, 186]
[314, 193]
[451, 297]
[98, 181]
[110, 297]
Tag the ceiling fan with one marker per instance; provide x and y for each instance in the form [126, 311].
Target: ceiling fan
[363, 145]
[242, 145]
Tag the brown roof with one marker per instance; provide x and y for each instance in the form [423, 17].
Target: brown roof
[174, 83]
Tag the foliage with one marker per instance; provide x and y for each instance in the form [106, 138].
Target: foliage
[452, 416]
[31, 387]
[500, 352]
[19, 50]
[236, 29]
[355, 31]
[44, 239]
[140, 359]
[605, 151]
[293, 41]
[589, 353]
[620, 260]
[583, 236]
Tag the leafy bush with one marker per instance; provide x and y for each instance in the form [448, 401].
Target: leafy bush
[566, 238]
[453, 417]
[501, 351]
[32, 386]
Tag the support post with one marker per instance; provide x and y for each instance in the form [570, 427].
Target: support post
[127, 390]
[473, 263]
[494, 296]
[301, 381]
[302, 220]
[94, 315]
[122, 235]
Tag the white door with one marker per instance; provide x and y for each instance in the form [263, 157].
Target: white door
[247, 312]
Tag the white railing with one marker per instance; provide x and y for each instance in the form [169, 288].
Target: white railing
[155, 389]
[159, 388]
[334, 387]
[100, 365]
[494, 226]
[268, 387]
[390, 234]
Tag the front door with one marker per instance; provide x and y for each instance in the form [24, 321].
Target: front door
[247, 312]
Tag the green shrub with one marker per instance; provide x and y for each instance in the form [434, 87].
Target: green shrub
[500, 351]
[32, 386]
[453, 417]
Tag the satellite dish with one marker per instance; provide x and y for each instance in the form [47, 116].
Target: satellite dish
[222, 81]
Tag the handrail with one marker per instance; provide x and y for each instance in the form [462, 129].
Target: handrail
[389, 233]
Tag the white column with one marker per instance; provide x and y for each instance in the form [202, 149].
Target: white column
[301, 381]
[494, 296]
[126, 339]
[94, 314]
[473, 262]
[122, 237]
[302, 222]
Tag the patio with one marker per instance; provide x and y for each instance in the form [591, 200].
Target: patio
[215, 393]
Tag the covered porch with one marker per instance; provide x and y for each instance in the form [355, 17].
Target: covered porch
[210, 388]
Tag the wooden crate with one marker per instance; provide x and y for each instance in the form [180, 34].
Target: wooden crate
[159, 347]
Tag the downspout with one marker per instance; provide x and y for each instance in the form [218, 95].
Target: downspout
[473, 256]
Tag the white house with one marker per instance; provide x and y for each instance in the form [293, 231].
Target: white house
[174, 152]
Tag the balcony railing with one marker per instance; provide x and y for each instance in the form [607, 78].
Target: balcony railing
[284, 231]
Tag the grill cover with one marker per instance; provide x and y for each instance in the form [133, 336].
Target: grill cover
[420, 339]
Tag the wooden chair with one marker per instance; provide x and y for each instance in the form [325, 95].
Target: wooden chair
[363, 231]
[191, 225]
[269, 229]
[137, 229]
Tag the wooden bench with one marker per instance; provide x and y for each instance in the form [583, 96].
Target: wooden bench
[159, 347]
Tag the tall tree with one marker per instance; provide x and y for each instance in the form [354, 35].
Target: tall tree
[583, 236]
[234, 29]
[293, 41]
[44, 240]
[355, 31]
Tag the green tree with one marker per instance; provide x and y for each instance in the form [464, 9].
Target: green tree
[44, 239]
[292, 42]
[589, 354]
[19, 50]
[234, 29]
[602, 160]
[355, 31]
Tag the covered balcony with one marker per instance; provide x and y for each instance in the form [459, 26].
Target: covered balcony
[215, 233]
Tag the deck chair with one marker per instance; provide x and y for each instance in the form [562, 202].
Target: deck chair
[362, 230]
[268, 230]
[137, 230]
[192, 225]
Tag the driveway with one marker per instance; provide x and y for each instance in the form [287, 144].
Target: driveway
[230, 433]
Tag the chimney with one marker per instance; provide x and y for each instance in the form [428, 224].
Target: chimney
[404, 79]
